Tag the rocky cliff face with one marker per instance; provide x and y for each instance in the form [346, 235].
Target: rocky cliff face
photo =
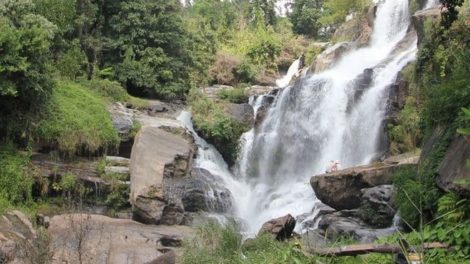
[454, 173]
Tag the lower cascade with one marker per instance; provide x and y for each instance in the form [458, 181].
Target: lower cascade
[337, 114]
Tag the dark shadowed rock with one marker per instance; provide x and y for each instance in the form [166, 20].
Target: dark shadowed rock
[376, 207]
[454, 174]
[171, 241]
[342, 189]
[281, 227]
[169, 257]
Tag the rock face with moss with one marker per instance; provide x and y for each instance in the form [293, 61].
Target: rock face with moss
[17, 236]
[454, 174]
[156, 154]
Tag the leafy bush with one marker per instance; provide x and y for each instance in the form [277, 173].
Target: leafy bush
[236, 96]
[224, 69]
[15, 179]
[406, 135]
[215, 126]
[107, 89]
[76, 121]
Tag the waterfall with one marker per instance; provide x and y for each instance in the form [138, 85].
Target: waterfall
[293, 69]
[431, 3]
[337, 114]
[323, 117]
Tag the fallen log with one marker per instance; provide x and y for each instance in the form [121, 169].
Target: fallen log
[353, 250]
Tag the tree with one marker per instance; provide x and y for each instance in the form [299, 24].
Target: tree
[337, 10]
[263, 9]
[25, 61]
[151, 48]
[305, 17]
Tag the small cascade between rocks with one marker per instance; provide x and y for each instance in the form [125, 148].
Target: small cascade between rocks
[291, 72]
[337, 114]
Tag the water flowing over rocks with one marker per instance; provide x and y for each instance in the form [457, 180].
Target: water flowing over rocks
[281, 228]
[342, 189]
[330, 56]
[80, 238]
[454, 174]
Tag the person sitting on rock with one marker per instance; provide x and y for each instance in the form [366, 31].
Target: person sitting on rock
[330, 167]
[335, 166]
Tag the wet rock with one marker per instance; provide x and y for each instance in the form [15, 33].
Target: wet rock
[122, 172]
[257, 90]
[173, 214]
[454, 174]
[330, 56]
[156, 108]
[357, 30]
[243, 113]
[346, 225]
[420, 17]
[42, 220]
[342, 189]
[377, 208]
[202, 193]
[281, 228]
[100, 239]
[122, 118]
[169, 155]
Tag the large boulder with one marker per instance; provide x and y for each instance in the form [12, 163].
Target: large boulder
[357, 30]
[342, 189]
[454, 173]
[17, 237]
[377, 208]
[281, 228]
[80, 238]
[156, 154]
[331, 55]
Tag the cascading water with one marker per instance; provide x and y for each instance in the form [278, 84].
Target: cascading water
[327, 116]
[293, 69]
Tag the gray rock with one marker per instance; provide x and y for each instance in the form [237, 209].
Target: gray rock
[342, 189]
[331, 55]
[281, 228]
[169, 155]
[17, 236]
[454, 174]
[100, 239]
[168, 257]
[213, 91]
[117, 161]
[122, 118]
[243, 113]
[376, 207]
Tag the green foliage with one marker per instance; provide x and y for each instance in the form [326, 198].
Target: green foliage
[453, 209]
[223, 244]
[25, 72]
[107, 89]
[77, 122]
[236, 96]
[214, 125]
[337, 10]
[15, 177]
[72, 62]
[265, 50]
[305, 17]
[406, 135]
[465, 131]
[60, 12]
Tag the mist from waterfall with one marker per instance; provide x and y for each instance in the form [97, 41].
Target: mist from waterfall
[326, 116]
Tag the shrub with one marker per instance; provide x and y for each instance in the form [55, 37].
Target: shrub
[215, 126]
[15, 181]
[236, 96]
[76, 121]
[224, 68]
[107, 89]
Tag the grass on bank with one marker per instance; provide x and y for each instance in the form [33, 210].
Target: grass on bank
[76, 120]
